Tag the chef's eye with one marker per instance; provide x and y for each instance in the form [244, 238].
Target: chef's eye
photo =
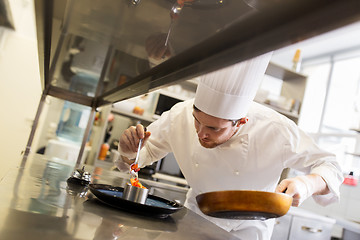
[214, 129]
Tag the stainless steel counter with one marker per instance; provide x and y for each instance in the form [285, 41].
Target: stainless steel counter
[37, 203]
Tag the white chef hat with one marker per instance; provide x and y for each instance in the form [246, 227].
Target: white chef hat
[229, 92]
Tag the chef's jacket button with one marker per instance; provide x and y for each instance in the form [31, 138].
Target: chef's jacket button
[196, 164]
[236, 172]
[241, 140]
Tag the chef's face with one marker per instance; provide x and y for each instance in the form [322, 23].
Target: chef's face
[213, 131]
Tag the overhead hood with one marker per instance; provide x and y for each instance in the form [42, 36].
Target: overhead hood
[97, 52]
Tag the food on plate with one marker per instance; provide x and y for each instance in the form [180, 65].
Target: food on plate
[135, 182]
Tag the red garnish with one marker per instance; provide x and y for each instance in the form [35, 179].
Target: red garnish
[135, 182]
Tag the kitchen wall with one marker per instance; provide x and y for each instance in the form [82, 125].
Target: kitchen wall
[20, 88]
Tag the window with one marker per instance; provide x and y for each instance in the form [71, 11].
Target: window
[331, 107]
[340, 113]
[315, 94]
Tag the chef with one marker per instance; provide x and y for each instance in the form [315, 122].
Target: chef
[223, 140]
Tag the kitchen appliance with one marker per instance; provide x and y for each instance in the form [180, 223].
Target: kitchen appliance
[163, 102]
[249, 205]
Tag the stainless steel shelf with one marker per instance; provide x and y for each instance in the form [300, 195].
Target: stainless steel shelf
[132, 115]
[289, 114]
[283, 73]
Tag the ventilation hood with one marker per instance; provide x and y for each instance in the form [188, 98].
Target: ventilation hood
[97, 52]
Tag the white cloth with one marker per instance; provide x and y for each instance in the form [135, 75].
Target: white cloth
[228, 93]
[252, 159]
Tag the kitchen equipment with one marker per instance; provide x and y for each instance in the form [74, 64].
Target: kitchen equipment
[80, 177]
[135, 194]
[133, 172]
[154, 206]
[248, 205]
[174, 14]
[134, 166]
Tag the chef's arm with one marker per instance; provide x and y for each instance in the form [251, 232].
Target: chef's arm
[302, 187]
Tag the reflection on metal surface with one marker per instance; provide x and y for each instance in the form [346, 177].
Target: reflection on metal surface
[78, 65]
[174, 14]
[38, 200]
[98, 52]
[135, 2]
[241, 25]
[79, 180]
[36, 204]
[147, 223]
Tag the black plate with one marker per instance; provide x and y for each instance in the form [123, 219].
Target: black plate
[154, 205]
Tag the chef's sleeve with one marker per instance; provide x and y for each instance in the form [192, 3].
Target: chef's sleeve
[157, 146]
[303, 154]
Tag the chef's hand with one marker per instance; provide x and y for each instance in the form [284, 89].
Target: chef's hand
[129, 140]
[302, 187]
[128, 146]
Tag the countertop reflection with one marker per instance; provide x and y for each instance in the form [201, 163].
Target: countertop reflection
[37, 203]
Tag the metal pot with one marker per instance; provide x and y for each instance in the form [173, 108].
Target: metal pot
[248, 205]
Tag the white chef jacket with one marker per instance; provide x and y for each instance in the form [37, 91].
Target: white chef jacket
[252, 159]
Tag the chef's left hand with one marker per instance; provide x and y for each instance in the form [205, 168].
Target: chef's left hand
[302, 187]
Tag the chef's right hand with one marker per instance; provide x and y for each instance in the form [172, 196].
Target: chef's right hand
[128, 146]
[129, 140]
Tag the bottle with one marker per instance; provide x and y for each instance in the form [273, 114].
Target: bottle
[103, 151]
[350, 179]
[296, 61]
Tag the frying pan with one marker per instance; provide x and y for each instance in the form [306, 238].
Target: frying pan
[247, 205]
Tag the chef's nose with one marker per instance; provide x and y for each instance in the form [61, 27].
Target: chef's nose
[202, 133]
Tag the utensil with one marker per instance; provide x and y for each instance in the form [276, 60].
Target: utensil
[80, 176]
[248, 205]
[174, 14]
[135, 194]
[134, 170]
